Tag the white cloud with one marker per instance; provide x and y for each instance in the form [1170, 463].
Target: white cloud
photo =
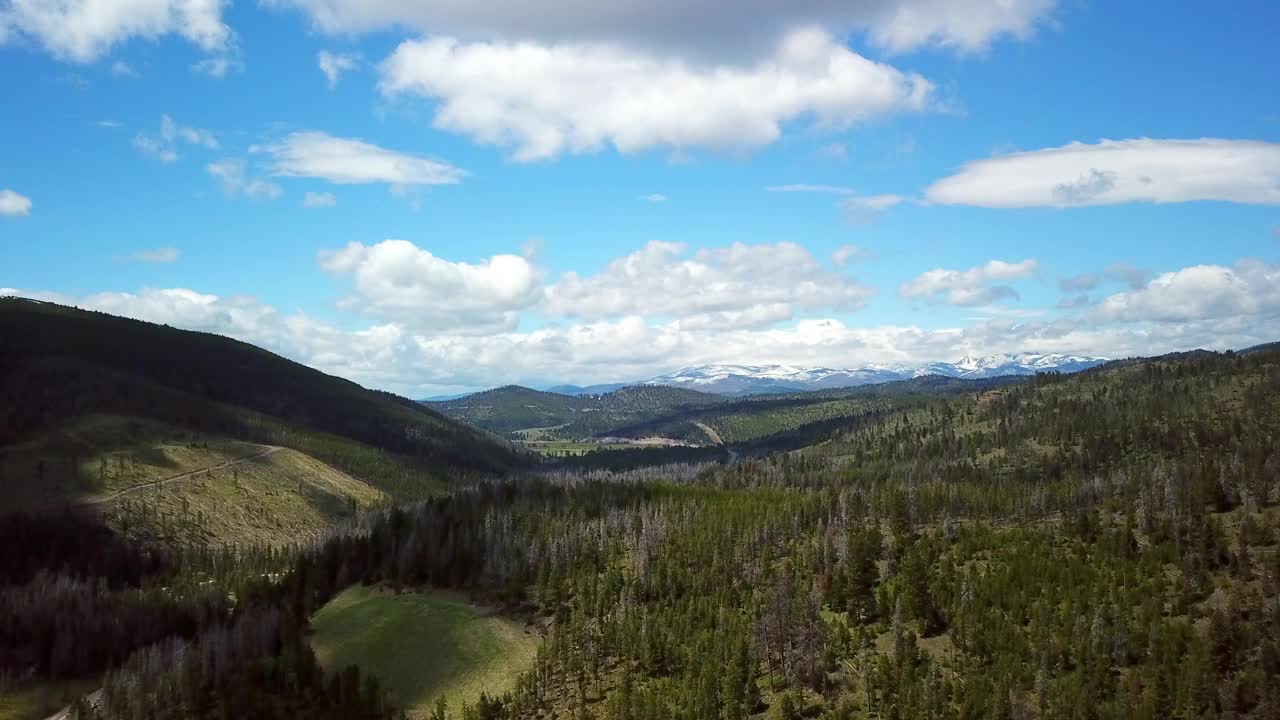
[164, 145]
[11, 203]
[334, 64]
[865, 208]
[318, 199]
[84, 30]
[654, 198]
[857, 209]
[545, 100]
[218, 66]
[162, 255]
[1213, 307]
[969, 287]
[398, 280]
[706, 27]
[351, 161]
[231, 173]
[849, 254]
[122, 69]
[739, 285]
[149, 145]
[1202, 292]
[1119, 171]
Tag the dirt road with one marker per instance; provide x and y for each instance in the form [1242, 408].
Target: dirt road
[710, 431]
[176, 478]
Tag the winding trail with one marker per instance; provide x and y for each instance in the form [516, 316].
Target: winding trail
[91, 502]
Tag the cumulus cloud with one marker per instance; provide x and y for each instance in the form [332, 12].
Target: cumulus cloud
[162, 255]
[1215, 307]
[1119, 171]
[231, 173]
[334, 64]
[544, 100]
[714, 28]
[318, 199]
[353, 161]
[164, 145]
[13, 203]
[739, 285]
[399, 280]
[1200, 292]
[969, 287]
[395, 356]
[84, 30]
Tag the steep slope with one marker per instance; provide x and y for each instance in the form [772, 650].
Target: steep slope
[58, 364]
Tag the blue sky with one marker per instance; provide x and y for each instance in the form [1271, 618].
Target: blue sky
[430, 197]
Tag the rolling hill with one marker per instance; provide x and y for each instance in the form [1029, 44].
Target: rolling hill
[512, 409]
[59, 365]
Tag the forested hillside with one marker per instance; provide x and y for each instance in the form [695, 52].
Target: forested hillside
[1094, 546]
[512, 408]
[689, 416]
[59, 365]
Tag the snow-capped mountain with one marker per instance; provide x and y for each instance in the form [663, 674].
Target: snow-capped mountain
[747, 379]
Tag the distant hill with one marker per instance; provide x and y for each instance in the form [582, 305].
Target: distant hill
[58, 364]
[697, 418]
[513, 408]
[588, 389]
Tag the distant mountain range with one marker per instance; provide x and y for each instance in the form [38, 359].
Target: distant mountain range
[751, 379]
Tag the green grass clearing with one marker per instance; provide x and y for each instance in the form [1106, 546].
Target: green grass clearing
[421, 646]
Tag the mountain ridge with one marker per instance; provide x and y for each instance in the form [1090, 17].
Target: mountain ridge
[736, 379]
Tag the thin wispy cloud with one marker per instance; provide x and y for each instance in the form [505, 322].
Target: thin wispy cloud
[161, 256]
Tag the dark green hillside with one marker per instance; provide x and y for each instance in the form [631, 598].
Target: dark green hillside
[509, 408]
[688, 415]
[58, 364]
[514, 408]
